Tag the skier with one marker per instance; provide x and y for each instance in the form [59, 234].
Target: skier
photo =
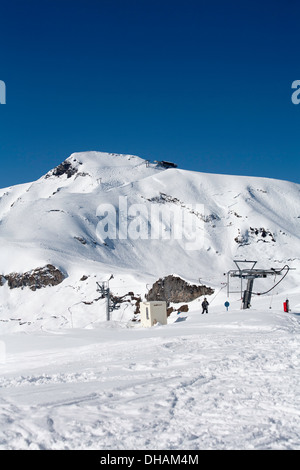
[205, 305]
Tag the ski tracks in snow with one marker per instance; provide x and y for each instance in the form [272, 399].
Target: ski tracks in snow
[217, 390]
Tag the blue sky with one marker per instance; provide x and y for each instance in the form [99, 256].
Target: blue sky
[203, 83]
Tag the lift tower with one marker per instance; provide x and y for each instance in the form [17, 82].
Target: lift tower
[250, 274]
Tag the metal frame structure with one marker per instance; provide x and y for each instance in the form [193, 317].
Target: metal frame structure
[104, 290]
[250, 274]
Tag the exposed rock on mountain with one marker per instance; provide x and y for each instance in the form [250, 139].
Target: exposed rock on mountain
[174, 289]
[65, 168]
[36, 279]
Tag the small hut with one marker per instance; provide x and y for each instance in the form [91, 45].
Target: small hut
[153, 312]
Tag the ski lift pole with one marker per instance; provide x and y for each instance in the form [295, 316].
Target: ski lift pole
[104, 289]
[107, 304]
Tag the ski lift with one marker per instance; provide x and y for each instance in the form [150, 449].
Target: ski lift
[250, 274]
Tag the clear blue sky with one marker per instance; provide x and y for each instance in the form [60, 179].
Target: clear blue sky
[203, 83]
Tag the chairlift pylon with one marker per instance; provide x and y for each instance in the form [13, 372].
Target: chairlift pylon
[250, 274]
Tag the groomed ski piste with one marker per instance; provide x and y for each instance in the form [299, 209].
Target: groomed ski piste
[70, 379]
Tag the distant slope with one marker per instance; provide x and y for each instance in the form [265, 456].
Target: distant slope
[59, 220]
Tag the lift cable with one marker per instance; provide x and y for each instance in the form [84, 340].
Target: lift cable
[277, 272]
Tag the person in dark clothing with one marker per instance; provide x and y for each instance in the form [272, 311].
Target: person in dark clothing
[205, 305]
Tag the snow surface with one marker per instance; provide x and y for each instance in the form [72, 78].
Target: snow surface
[226, 380]
[71, 380]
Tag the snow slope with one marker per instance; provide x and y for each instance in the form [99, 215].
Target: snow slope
[56, 220]
[226, 380]
[71, 380]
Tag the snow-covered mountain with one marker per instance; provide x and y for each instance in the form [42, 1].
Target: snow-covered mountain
[226, 380]
[160, 221]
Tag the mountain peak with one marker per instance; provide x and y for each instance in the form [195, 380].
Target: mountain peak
[97, 159]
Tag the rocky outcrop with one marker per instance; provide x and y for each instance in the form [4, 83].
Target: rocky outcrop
[48, 275]
[254, 235]
[65, 168]
[262, 234]
[165, 198]
[176, 290]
